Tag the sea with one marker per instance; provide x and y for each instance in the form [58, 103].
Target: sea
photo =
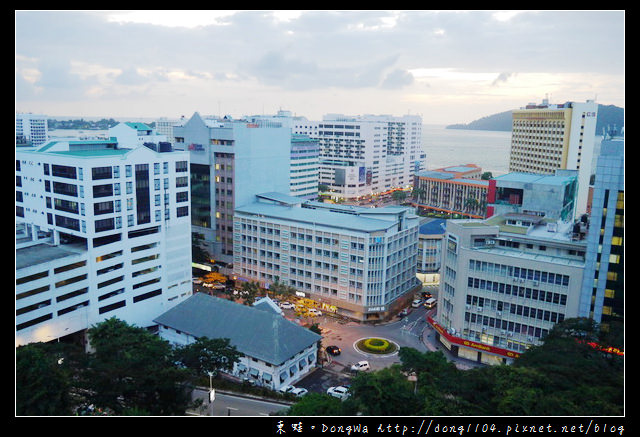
[488, 150]
[444, 147]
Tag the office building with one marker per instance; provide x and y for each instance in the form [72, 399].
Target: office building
[305, 154]
[505, 282]
[164, 126]
[366, 155]
[31, 129]
[546, 137]
[549, 196]
[102, 231]
[603, 288]
[354, 261]
[430, 245]
[456, 190]
[231, 161]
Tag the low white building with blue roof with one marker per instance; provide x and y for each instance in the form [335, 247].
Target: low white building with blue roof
[275, 351]
[354, 261]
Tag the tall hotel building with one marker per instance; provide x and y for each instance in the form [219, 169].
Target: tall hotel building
[603, 287]
[31, 129]
[231, 161]
[102, 232]
[548, 137]
[357, 262]
[505, 282]
[369, 154]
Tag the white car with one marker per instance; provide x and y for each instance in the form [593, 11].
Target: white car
[360, 366]
[287, 305]
[339, 392]
[416, 303]
[286, 389]
[315, 312]
[299, 391]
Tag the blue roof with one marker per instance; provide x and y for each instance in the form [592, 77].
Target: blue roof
[320, 217]
[433, 227]
[260, 334]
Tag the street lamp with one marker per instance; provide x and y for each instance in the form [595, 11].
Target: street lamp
[212, 393]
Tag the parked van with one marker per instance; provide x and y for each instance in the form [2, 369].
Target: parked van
[430, 303]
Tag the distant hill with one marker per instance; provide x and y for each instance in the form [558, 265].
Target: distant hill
[608, 116]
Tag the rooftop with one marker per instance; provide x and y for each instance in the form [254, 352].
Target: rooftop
[260, 334]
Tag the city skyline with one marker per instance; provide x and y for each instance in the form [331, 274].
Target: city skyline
[447, 66]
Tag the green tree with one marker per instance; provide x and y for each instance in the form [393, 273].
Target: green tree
[317, 404]
[208, 355]
[385, 392]
[399, 195]
[42, 381]
[250, 291]
[132, 368]
[486, 176]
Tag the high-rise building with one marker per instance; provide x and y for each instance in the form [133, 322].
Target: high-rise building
[231, 161]
[355, 261]
[102, 231]
[547, 137]
[365, 155]
[305, 153]
[603, 287]
[505, 282]
[31, 129]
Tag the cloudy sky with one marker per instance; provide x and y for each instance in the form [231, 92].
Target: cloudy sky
[447, 66]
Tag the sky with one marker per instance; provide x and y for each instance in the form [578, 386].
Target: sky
[446, 66]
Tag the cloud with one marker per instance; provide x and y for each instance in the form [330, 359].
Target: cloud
[286, 72]
[502, 77]
[398, 78]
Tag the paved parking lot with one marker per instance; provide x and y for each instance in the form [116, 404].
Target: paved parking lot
[323, 378]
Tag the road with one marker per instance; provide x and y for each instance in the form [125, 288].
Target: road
[234, 405]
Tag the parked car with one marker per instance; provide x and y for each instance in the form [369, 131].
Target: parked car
[287, 305]
[403, 313]
[286, 389]
[416, 303]
[360, 366]
[339, 392]
[333, 350]
[299, 391]
[314, 312]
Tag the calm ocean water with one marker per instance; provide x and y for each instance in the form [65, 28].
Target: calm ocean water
[486, 149]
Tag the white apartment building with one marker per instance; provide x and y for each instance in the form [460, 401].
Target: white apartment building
[355, 261]
[368, 154]
[129, 135]
[547, 137]
[504, 282]
[164, 126]
[103, 232]
[31, 129]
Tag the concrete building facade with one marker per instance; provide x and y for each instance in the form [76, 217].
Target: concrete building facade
[102, 232]
[505, 281]
[353, 261]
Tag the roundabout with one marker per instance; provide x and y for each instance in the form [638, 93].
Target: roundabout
[375, 346]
